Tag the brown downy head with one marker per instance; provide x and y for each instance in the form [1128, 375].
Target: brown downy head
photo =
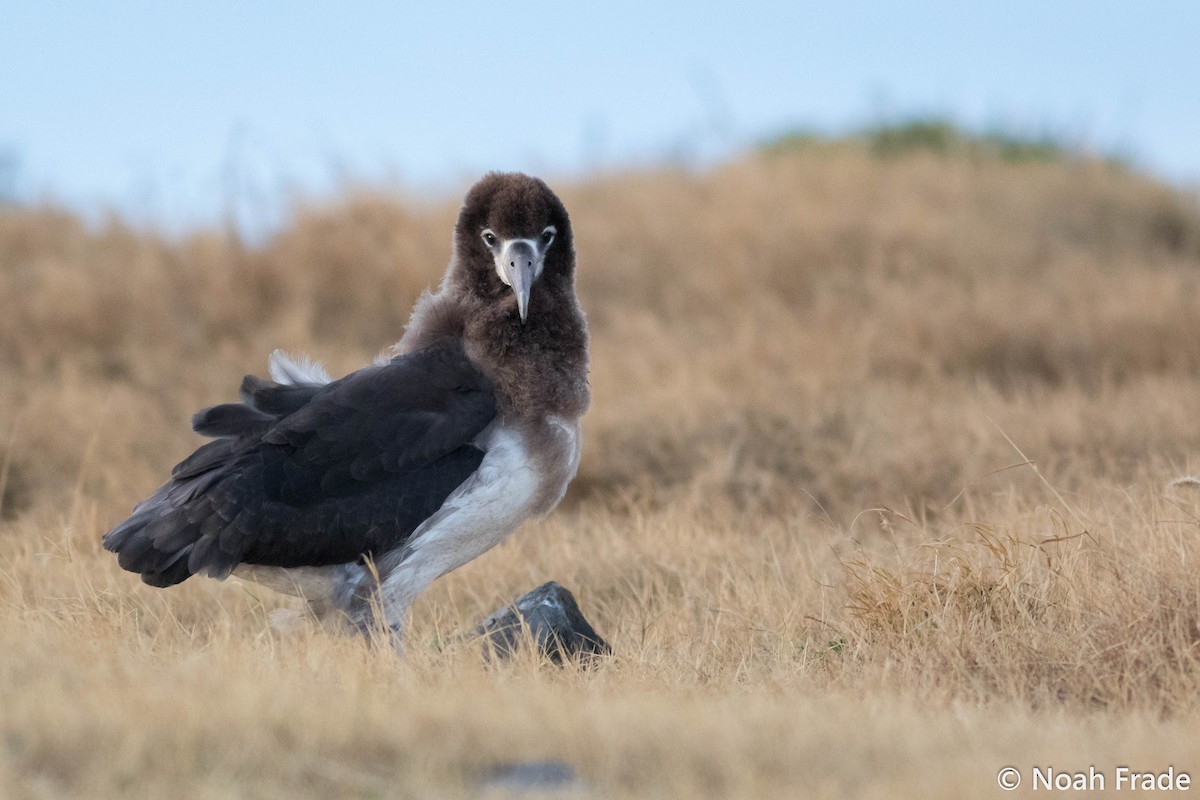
[510, 292]
[513, 246]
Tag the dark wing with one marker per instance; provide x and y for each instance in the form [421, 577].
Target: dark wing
[310, 474]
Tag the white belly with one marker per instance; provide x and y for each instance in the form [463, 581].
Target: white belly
[476, 517]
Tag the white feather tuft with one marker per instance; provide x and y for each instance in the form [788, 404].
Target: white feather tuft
[290, 370]
[385, 357]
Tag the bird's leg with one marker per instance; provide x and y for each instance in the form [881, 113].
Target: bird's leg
[373, 610]
[391, 584]
[373, 617]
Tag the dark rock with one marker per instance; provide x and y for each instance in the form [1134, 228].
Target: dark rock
[555, 623]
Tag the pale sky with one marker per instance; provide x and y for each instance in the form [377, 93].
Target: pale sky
[173, 112]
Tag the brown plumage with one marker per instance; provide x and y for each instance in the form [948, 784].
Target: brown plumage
[540, 366]
[417, 464]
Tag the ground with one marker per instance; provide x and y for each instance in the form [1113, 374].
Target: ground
[884, 489]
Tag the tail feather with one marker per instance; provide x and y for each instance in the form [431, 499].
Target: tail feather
[124, 540]
[158, 539]
[276, 399]
[177, 531]
[231, 419]
[176, 573]
[136, 543]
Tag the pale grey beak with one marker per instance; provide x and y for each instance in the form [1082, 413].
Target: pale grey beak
[519, 263]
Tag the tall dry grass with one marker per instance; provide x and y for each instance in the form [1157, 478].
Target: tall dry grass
[875, 497]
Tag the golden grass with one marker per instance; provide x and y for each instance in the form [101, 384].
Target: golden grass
[805, 517]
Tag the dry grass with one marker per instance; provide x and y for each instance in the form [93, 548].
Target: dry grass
[825, 568]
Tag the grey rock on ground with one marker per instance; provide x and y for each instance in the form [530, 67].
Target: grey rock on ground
[531, 777]
[554, 620]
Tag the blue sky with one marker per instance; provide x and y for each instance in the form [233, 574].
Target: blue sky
[174, 112]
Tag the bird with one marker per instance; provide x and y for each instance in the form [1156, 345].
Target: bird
[357, 493]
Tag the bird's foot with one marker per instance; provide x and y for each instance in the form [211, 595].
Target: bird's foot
[390, 635]
[396, 637]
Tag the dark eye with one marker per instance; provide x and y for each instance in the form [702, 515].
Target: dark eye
[548, 235]
[489, 238]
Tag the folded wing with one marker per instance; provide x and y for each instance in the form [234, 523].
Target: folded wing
[308, 474]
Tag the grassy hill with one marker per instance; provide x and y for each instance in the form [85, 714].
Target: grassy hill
[879, 492]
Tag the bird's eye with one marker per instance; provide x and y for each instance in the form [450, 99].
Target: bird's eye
[489, 238]
[548, 234]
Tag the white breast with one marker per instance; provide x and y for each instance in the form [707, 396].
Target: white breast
[480, 514]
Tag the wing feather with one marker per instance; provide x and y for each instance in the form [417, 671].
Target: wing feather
[312, 474]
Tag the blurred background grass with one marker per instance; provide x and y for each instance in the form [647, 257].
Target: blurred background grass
[801, 321]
